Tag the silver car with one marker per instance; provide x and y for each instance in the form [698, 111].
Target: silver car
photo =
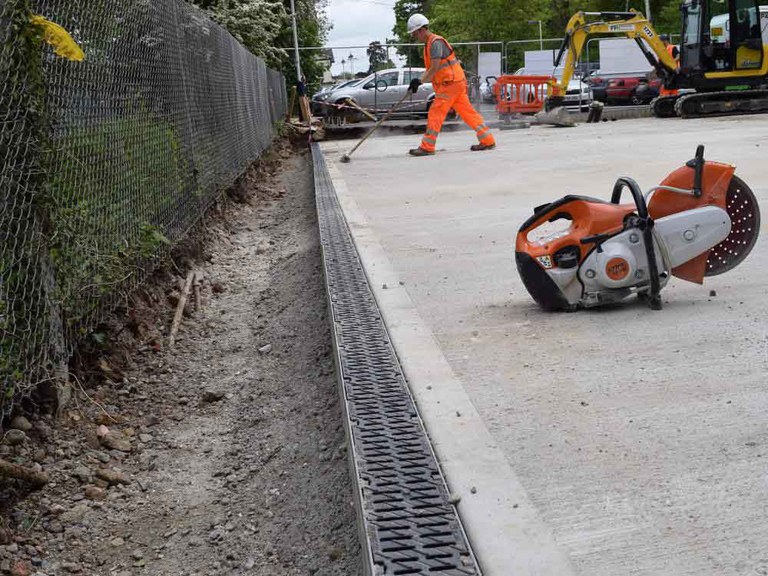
[379, 92]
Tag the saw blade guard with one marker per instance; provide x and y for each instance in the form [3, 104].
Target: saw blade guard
[717, 185]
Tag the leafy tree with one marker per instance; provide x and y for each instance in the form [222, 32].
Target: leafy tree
[264, 27]
[403, 10]
[254, 23]
[312, 27]
[378, 57]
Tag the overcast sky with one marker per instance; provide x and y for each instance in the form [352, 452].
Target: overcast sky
[358, 23]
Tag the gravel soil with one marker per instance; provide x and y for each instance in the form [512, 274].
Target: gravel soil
[222, 455]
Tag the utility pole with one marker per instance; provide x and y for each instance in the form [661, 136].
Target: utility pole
[648, 10]
[541, 36]
[296, 41]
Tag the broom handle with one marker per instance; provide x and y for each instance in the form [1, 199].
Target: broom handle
[379, 123]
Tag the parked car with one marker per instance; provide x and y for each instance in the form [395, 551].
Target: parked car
[599, 80]
[647, 89]
[380, 91]
[319, 98]
[622, 90]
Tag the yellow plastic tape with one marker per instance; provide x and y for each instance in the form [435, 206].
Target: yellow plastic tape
[63, 44]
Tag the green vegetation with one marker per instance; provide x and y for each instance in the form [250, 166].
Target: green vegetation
[264, 27]
[113, 186]
[23, 313]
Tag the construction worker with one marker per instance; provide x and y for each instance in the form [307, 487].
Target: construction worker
[673, 51]
[450, 85]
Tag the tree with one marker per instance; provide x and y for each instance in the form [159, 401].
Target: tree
[254, 23]
[403, 10]
[264, 27]
[313, 28]
[377, 57]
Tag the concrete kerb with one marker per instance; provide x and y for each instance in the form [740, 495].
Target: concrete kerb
[503, 526]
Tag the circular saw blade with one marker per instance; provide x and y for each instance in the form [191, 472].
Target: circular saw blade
[742, 207]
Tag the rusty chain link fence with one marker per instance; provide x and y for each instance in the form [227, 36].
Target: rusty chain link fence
[107, 162]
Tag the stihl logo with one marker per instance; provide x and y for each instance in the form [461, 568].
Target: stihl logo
[617, 269]
[648, 31]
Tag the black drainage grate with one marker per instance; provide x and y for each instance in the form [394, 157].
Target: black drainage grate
[408, 525]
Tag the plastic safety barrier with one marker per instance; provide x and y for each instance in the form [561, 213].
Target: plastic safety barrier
[520, 94]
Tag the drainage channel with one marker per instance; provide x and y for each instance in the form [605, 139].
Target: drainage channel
[407, 524]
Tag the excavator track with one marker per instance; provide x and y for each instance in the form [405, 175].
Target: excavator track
[664, 106]
[726, 103]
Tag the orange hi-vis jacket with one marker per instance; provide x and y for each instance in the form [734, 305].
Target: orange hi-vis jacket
[450, 70]
[665, 91]
[671, 51]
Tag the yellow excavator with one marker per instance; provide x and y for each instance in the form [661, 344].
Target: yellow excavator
[723, 56]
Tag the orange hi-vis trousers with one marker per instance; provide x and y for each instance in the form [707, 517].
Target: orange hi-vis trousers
[454, 96]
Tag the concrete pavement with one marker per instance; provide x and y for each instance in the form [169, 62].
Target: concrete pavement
[603, 442]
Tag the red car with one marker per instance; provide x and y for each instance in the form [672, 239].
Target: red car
[622, 90]
[647, 89]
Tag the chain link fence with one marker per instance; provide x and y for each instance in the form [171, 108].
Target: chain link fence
[108, 162]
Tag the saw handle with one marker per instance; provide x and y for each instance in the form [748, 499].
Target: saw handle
[637, 195]
[697, 163]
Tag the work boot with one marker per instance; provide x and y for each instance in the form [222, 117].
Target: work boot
[480, 147]
[420, 152]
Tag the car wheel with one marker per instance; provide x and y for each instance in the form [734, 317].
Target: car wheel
[636, 100]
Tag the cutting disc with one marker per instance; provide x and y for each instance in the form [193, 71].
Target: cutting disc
[742, 207]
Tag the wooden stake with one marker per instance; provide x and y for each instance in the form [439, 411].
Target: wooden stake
[196, 284]
[37, 479]
[289, 114]
[305, 109]
[180, 309]
[365, 112]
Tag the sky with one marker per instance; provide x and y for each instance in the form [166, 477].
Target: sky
[358, 23]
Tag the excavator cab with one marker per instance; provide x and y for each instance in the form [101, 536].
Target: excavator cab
[720, 36]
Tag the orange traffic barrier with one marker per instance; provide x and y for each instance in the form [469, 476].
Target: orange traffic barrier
[520, 94]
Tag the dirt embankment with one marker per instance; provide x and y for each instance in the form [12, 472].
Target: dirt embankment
[223, 455]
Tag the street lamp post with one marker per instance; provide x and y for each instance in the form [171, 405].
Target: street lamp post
[295, 41]
[350, 59]
[541, 37]
[343, 70]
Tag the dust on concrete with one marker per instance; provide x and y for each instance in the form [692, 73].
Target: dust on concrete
[236, 459]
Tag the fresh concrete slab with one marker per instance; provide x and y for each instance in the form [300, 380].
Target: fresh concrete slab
[635, 441]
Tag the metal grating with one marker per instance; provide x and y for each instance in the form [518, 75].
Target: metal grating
[408, 525]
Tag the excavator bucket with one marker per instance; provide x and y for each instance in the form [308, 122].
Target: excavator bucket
[558, 116]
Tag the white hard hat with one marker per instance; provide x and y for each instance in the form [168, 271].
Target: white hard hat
[416, 21]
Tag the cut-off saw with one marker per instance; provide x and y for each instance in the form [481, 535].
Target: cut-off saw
[581, 252]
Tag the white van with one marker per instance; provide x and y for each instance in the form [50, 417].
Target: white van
[720, 26]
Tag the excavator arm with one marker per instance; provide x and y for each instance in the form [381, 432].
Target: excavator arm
[631, 24]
